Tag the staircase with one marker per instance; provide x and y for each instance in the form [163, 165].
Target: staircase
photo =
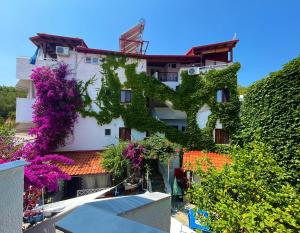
[157, 181]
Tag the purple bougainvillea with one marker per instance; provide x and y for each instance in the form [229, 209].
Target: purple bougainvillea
[42, 172]
[134, 152]
[54, 116]
[54, 112]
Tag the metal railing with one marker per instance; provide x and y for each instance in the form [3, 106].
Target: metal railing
[168, 76]
[82, 192]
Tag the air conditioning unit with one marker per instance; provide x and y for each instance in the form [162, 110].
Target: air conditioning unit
[62, 51]
[193, 70]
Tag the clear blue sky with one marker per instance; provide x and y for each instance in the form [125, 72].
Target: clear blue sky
[269, 30]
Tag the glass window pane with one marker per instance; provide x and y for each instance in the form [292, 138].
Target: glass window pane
[219, 96]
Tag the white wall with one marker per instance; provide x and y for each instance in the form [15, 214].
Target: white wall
[88, 135]
[11, 196]
[202, 116]
[157, 214]
[24, 110]
[202, 119]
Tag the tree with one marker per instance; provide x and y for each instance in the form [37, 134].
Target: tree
[114, 162]
[251, 195]
[8, 97]
[242, 90]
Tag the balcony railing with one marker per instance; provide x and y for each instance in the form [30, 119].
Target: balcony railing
[167, 76]
[82, 192]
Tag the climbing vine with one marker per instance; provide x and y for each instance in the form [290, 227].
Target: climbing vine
[190, 96]
[270, 113]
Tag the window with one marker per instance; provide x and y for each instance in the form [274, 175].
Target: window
[92, 60]
[95, 60]
[221, 136]
[183, 128]
[88, 60]
[147, 134]
[173, 65]
[125, 134]
[107, 132]
[125, 96]
[223, 95]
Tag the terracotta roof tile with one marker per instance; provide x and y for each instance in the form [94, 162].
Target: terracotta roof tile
[191, 158]
[85, 163]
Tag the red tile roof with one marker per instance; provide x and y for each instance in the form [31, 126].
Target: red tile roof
[191, 158]
[85, 163]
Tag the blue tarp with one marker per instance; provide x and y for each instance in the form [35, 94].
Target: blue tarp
[194, 224]
[33, 58]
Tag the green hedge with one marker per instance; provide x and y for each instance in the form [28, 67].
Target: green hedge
[271, 112]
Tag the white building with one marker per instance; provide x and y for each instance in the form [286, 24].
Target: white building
[84, 63]
[11, 196]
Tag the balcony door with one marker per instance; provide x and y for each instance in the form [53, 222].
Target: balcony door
[221, 136]
[125, 134]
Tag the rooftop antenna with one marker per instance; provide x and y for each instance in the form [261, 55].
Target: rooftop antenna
[132, 40]
[234, 36]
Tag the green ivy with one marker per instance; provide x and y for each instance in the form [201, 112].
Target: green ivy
[191, 95]
[271, 113]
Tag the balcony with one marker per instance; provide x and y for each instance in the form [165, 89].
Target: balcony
[199, 69]
[24, 110]
[167, 76]
[24, 68]
[205, 69]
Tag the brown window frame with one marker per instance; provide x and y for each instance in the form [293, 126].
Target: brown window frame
[225, 95]
[221, 136]
[125, 134]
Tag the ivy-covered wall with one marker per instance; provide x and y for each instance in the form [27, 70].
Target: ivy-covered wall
[271, 112]
[191, 95]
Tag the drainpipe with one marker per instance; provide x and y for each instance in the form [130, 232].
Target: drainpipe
[169, 170]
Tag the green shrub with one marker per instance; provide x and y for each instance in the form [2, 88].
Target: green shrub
[271, 112]
[114, 162]
[158, 147]
[251, 195]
